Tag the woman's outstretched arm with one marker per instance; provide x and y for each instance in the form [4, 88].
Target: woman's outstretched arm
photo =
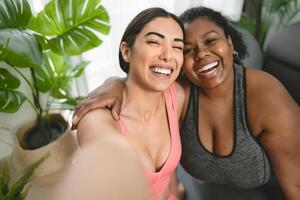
[104, 170]
[105, 166]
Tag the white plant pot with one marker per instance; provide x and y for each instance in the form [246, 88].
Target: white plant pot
[60, 154]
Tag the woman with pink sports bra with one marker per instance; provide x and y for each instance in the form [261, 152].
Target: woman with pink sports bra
[151, 53]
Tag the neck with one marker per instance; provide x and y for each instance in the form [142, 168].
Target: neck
[220, 92]
[139, 103]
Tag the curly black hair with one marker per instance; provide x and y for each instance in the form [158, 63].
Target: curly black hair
[202, 12]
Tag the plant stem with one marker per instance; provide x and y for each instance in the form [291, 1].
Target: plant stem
[32, 89]
[32, 105]
[42, 123]
[36, 96]
[24, 77]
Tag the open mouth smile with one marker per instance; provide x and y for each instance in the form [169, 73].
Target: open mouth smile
[209, 68]
[161, 70]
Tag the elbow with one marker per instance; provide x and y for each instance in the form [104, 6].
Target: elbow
[292, 191]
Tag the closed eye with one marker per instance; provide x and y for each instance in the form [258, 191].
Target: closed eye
[210, 41]
[152, 42]
[178, 47]
[188, 51]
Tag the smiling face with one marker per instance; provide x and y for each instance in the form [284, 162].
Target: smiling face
[156, 57]
[208, 53]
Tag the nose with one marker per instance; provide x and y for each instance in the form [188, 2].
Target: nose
[166, 53]
[201, 53]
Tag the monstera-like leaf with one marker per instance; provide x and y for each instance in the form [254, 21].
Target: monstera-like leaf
[50, 71]
[14, 13]
[7, 80]
[10, 100]
[72, 25]
[57, 73]
[19, 48]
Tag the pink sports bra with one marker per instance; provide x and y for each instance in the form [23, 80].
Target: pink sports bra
[159, 181]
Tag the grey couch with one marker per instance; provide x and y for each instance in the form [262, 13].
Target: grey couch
[282, 58]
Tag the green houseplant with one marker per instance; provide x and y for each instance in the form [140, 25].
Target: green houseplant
[261, 15]
[44, 46]
[17, 190]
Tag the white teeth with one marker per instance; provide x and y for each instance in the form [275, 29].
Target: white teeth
[161, 70]
[208, 66]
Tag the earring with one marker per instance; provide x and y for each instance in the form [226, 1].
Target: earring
[235, 54]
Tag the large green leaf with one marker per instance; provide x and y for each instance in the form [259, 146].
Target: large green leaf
[72, 25]
[79, 68]
[54, 75]
[14, 13]
[48, 72]
[7, 80]
[10, 100]
[19, 48]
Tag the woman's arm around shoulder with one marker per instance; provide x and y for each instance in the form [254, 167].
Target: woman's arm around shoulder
[276, 117]
[109, 94]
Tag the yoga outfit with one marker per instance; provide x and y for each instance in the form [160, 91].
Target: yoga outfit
[159, 181]
[247, 166]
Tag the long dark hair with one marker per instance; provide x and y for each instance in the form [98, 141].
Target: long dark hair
[137, 24]
[202, 12]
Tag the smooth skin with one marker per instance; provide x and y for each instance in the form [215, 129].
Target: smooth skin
[95, 172]
[273, 116]
[160, 43]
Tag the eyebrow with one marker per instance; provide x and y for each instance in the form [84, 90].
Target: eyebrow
[162, 36]
[211, 31]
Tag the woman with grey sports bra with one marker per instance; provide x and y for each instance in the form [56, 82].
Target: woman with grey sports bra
[247, 165]
[247, 157]
[241, 126]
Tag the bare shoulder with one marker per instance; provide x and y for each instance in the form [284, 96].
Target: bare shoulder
[268, 96]
[95, 125]
[266, 88]
[258, 79]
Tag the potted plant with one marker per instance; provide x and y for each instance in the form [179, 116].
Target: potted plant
[260, 15]
[19, 189]
[44, 46]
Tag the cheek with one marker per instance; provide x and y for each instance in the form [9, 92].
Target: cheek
[180, 60]
[188, 63]
[224, 50]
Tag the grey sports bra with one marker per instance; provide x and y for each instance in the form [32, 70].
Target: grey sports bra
[246, 167]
